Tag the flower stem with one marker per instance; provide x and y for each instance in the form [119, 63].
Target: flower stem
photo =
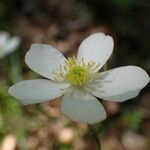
[15, 72]
[95, 136]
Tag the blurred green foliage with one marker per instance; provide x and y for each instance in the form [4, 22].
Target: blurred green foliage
[128, 22]
[10, 115]
[131, 119]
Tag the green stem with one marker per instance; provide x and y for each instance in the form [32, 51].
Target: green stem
[95, 136]
[15, 68]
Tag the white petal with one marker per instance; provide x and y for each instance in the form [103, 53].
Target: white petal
[97, 47]
[36, 91]
[4, 36]
[43, 59]
[124, 96]
[12, 44]
[83, 108]
[121, 84]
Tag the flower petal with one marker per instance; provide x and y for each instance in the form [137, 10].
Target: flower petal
[124, 96]
[43, 59]
[97, 47]
[83, 108]
[121, 84]
[4, 36]
[36, 91]
[12, 43]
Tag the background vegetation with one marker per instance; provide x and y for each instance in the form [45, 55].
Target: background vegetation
[64, 24]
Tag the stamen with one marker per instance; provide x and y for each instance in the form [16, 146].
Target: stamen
[77, 73]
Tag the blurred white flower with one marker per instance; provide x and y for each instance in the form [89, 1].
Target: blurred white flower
[8, 44]
[77, 80]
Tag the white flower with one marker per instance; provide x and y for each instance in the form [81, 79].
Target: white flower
[8, 44]
[78, 80]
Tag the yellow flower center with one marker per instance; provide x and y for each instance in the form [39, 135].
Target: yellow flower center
[77, 73]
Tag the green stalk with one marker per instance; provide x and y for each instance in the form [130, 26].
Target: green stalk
[97, 139]
[15, 71]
